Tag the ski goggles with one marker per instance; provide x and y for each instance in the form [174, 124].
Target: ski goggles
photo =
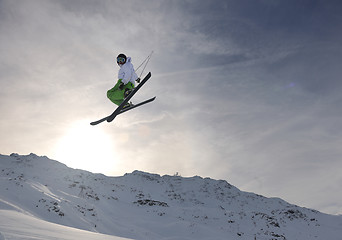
[120, 60]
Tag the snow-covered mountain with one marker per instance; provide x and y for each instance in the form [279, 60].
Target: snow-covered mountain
[141, 205]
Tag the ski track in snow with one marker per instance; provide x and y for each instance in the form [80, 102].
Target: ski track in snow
[44, 199]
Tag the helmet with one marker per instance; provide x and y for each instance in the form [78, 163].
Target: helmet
[121, 58]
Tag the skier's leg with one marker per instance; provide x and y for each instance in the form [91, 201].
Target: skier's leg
[128, 88]
[115, 94]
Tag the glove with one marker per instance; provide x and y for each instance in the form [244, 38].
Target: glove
[121, 86]
[138, 80]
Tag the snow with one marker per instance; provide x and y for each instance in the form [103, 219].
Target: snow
[43, 199]
[19, 226]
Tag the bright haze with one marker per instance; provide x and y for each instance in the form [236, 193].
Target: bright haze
[247, 91]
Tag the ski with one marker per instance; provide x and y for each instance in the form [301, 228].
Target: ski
[98, 121]
[119, 108]
[136, 105]
[124, 110]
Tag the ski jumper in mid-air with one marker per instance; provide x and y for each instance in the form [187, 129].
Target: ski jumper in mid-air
[126, 81]
[125, 88]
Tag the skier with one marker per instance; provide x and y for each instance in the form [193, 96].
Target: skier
[124, 89]
[126, 81]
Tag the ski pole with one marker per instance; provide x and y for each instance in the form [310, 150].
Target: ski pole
[146, 59]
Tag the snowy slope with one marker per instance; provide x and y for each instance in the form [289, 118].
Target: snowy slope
[19, 226]
[148, 206]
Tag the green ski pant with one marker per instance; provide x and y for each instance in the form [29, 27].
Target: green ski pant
[116, 95]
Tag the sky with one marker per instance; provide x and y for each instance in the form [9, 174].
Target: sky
[248, 91]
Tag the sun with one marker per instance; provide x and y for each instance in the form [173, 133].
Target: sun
[85, 147]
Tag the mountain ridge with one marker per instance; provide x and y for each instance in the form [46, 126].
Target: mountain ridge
[142, 205]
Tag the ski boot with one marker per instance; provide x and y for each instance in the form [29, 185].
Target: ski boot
[127, 92]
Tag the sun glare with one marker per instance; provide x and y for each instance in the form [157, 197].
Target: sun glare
[86, 148]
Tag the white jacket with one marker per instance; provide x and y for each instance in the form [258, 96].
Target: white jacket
[127, 72]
